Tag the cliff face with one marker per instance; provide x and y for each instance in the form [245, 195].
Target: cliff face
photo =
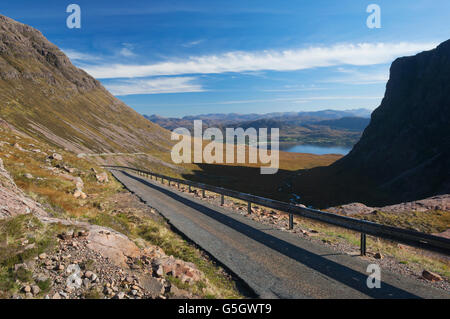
[404, 153]
[44, 95]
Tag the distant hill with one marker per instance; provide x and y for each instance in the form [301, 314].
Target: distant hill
[347, 123]
[404, 153]
[237, 118]
[332, 127]
[43, 95]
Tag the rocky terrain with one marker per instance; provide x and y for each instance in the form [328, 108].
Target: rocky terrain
[68, 231]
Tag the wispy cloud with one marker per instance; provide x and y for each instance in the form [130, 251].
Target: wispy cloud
[155, 86]
[294, 88]
[352, 76]
[192, 43]
[78, 56]
[286, 60]
[127, 50]
[302, 99]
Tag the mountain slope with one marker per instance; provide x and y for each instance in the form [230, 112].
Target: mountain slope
[347, 123]
[404, 153]
[44, 95]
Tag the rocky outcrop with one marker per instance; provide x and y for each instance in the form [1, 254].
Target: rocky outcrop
[441, 203]
[404, 153]
[13, 201]
[88, 261]
[97, 262]
[405, 150]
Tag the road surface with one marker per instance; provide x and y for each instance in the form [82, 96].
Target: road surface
[273, 263]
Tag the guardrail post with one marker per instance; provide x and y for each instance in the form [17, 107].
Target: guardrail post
[249, 207]
[291, 221]
[222, 200]
[363, 244]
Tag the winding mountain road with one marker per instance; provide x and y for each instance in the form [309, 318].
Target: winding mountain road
[273, 263]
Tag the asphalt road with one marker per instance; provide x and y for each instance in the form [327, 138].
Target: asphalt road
[273, 263]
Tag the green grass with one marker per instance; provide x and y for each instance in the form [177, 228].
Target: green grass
[12, 232]
[414, 258]
[45, 286]
[55, 193]
[431, 221]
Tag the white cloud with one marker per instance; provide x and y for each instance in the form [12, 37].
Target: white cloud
[154, 86]
[75, 55]
[192, 43]
[302, 99]
[286, 60]
[352, 76]
[126, 52]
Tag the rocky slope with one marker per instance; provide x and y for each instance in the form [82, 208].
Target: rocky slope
[44, 95]
[404, 153]
[68, 230]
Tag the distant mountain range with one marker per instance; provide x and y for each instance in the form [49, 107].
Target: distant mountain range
[327, 127]
[223, 118]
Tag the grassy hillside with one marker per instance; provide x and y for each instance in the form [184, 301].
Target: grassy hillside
[44, 95]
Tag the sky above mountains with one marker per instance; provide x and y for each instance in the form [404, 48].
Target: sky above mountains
[176, 58]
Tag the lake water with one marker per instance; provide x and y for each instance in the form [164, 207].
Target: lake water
[315, 149]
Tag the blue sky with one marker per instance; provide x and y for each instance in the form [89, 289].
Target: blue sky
[176, 58]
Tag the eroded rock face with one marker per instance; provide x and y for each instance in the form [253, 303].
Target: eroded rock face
[13, 202]
[404, 153]
[405, 150]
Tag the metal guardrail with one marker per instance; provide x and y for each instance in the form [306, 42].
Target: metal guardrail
[404, 236]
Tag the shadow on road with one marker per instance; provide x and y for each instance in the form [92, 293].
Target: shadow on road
[336, 271]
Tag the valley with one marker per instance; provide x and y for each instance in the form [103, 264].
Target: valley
[322, 128]
[73, 229]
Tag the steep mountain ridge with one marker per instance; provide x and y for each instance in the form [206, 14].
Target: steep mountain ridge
[44, 95]
[404, 153]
